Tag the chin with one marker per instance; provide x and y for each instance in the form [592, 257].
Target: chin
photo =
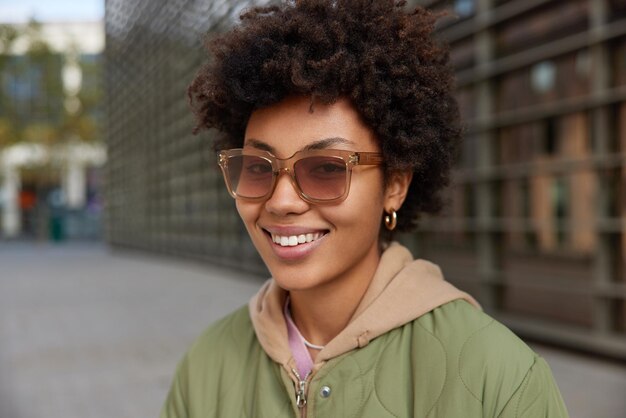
[295, 279]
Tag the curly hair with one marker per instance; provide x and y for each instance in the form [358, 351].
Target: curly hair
[373, 52]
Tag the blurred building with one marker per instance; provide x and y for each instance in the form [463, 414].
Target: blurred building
[50, 148]
[534, 226]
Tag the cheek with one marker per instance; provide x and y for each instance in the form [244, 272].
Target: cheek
[364, 206]
[240, 210]
[247, 212]
[369, 192]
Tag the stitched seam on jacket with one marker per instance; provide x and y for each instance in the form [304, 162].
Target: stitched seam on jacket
[183, 394]
[523, 386]
[231, 334]
[445, 370]
[277, 371]
[376, 366]
[362, 380]
[329, 368]
[461, 355]
[227, 323]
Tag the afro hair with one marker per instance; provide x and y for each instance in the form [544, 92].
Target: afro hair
[382, 57]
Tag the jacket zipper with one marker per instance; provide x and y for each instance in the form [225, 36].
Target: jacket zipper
[301, 391]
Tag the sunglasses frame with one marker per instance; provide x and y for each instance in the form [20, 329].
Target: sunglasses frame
[286, 165]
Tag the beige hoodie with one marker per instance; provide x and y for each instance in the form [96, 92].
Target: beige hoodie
[401, 290]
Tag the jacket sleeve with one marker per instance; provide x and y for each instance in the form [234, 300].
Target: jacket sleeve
[176, 404]
[537, 396]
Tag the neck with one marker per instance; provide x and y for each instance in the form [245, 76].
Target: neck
[323, 312]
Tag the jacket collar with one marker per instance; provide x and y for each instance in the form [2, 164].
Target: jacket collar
[401, 290]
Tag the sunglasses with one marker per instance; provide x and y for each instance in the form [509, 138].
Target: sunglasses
[319, 176]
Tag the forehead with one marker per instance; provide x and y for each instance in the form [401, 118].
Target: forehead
[290, 126]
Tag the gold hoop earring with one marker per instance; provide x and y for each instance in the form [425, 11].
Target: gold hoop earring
[391, 220]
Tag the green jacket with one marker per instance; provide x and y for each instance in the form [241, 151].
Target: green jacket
[451, 360]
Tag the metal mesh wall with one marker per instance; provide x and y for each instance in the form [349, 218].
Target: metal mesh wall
[165, 193]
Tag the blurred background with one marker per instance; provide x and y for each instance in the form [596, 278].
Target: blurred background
[119, 243]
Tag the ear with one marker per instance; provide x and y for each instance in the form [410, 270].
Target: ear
[397, 188]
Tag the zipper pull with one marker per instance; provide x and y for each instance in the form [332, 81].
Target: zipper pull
[301, 395]
[301, 390]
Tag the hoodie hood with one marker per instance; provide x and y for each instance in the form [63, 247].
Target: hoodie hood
[401, 290]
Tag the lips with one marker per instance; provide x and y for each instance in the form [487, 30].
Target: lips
[294, 240]
[292, 243]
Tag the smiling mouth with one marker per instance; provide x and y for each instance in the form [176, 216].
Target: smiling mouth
[295, 240]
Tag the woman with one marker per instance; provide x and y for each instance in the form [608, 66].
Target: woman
[338, 127]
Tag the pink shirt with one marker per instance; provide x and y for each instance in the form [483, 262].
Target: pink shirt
[304, 362]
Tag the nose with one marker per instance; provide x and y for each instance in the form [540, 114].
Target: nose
[285, 199]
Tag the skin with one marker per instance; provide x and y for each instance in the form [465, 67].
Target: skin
[328, 282]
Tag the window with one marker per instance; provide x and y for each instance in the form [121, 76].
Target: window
[543, 76]
[464, 8]
[559, 205]
[549, 137]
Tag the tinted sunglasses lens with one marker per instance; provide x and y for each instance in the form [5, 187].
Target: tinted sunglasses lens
[249, 175]
[322, 178]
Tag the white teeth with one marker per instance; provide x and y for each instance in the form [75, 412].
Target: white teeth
[293, 240]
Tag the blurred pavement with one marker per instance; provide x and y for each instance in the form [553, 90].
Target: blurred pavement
[90, 333]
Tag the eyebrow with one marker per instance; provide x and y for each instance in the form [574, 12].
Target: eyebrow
[320, 144]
